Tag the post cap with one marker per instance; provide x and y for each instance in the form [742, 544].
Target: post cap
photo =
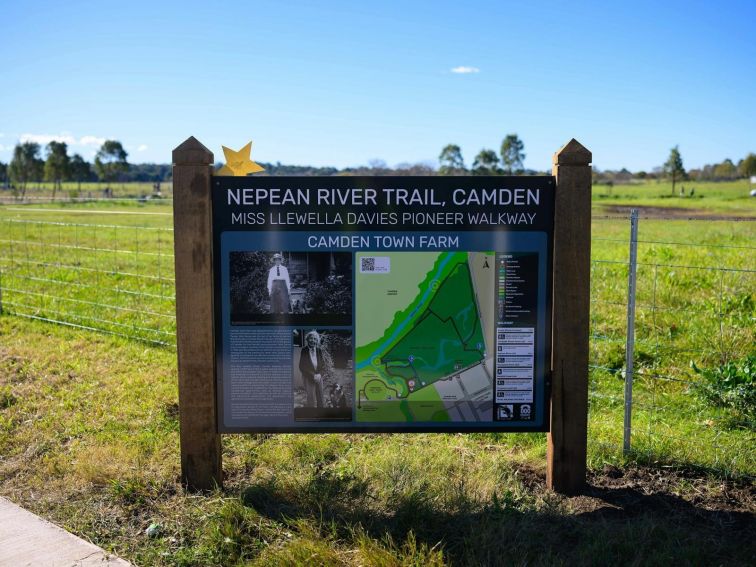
[192, 152]
[573, 153]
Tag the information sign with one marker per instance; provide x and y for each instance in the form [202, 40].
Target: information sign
[350, 304]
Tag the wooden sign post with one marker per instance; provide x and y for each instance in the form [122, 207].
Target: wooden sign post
[568, 438]
[195, 342]
[197, 305]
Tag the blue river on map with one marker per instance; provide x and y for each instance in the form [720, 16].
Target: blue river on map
[400, 327]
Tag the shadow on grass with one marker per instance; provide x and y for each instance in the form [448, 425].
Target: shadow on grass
[521, 526]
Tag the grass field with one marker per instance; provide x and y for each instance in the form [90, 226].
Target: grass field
[89, 431]
[88, 190]
[89, 439]
[723, 198]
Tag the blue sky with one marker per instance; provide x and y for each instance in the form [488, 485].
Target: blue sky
[343, 83]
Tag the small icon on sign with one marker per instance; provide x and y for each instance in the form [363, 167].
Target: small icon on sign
[525, 411]
[506, 412]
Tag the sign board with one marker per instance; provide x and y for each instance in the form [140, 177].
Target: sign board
[368, 304]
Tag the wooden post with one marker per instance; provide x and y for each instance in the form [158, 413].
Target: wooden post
[568, 439]
[195, 341]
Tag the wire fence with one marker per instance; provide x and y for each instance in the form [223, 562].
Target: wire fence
[693, 298]
[662, 307]
[113, 278]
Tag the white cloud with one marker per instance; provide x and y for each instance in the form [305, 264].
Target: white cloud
[142, 148]
[91, 141]
[464, 70]
[44, 139]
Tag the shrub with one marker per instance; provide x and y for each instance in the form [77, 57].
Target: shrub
[249, 277]
[731, 386]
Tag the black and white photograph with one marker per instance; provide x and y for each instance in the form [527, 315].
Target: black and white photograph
[323, 370]
[296, 288]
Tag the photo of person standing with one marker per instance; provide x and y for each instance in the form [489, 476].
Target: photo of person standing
[322, 374]
[301, 289]
[279, 286]
[312, 367]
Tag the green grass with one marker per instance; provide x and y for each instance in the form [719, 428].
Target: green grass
[89, 431]
[90, 440]
[731, 198]
[102, 265]
[694, 303]
[89, 190]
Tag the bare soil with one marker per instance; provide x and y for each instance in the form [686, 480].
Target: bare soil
[687, 497]
[677, 213]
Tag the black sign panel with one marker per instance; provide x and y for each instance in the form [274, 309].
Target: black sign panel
[351, 304]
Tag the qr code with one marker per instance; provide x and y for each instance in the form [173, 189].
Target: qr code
[375, 265]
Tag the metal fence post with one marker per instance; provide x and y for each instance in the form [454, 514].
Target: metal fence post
[630, 339]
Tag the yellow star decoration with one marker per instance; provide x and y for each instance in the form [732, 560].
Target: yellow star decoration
[239, 164]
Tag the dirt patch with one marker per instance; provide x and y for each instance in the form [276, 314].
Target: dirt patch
[677, 213]
[665, 493]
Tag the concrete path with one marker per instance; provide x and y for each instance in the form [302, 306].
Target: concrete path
[28, 540]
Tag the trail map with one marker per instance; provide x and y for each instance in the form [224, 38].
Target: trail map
[425, 355]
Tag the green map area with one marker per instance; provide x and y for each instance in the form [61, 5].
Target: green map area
[437, 336]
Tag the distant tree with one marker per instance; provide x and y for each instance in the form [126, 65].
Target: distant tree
[377, 164]
[110, 161]
[695, 174]
[747, 166]
[512, 154]
[26, 165]
[411, 169]
[725, 170]
[623, 176]
[38, 169]
[148, 172]
[673, 167]
[3, 174]
[486, 163]
[57, 164]
[281, 169]
[451, 161]
[80, 170]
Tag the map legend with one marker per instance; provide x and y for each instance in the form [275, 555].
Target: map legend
[501, 287]
[516, 283]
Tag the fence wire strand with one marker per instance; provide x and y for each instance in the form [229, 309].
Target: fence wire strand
[118, 279]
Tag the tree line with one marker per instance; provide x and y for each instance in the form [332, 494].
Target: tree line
[674, 170]
[509, 161]
[31, 163]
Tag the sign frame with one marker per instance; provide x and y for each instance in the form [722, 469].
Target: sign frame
[200, 441]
